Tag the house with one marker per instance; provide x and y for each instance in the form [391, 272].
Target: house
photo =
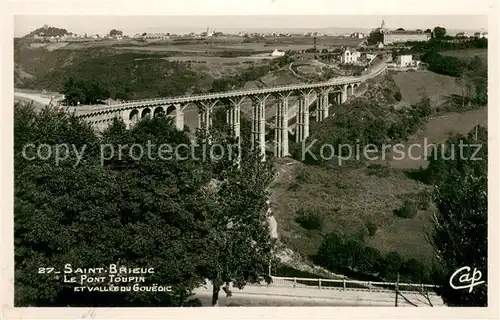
[380, 45]
[370, 56]
[481, 35]
[277, 53]
[405, 60]
[349, 55]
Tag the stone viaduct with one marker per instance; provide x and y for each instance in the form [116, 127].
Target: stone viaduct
[306, 94]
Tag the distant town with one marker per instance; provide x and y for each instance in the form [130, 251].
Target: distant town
[52, 34]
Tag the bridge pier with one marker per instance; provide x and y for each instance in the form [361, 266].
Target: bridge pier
[281, 131]
[302, 118]
[131, 119]
[322, 105]
[205, 117]
[259, 125]
[179, 117]
[343, 94]
[233, 118]
[326, 105]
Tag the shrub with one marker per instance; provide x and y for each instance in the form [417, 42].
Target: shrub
[397, 96]
[423, 200]
[361, 234]
[309, 220]
[408, 211]
[348, 255]
[372, 228]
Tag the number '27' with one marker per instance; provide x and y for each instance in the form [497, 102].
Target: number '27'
[45, 270]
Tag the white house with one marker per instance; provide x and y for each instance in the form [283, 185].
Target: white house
[349, 55]
[370, 56]
[277, 53]
[404, 60]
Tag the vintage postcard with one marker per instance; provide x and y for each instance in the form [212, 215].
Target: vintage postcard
[235, 154]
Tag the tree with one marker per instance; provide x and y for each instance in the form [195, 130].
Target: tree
[460, 232]
[428, 31]
[89, 91]
[439, 32]
[375, 37]
[115, 32]
[146, 213]
[242, 248]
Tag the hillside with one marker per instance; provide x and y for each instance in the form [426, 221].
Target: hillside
[137, 75]
[348, 198]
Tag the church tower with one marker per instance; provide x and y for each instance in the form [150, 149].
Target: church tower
[382, 26]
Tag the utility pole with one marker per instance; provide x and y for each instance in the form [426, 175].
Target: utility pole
[397, 290]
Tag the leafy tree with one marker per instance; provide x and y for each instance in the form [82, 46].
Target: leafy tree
[375, 37]
[439, 32]
[115, 32]
[460, 231]
[145, 213]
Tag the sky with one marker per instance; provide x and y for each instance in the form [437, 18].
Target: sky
[102, 24]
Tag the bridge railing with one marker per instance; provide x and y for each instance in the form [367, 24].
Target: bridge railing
[349, 285]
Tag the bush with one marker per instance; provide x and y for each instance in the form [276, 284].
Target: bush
[362, 234]
[346, 254]
[309, 220]
[423, 200]
[408, 211]
[372, 228]
[397, 96]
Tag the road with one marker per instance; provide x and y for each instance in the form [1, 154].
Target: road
[263, 295]
[37, 98]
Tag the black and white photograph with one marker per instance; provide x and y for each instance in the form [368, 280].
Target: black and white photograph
[251, 160]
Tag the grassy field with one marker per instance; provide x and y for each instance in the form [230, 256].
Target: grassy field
[347, 198]
[436, 131]
[467, 53]
[214, 44]
[435, 86]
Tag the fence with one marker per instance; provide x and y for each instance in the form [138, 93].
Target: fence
[350, 285]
